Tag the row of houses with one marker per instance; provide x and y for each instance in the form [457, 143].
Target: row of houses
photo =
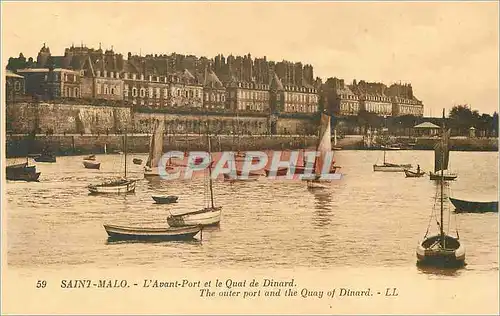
[232, 84]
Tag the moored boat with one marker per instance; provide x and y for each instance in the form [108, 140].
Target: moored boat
[162, 199]
[465, 206]
[208, 216]
[441, 249]
[447, 175]
[117, 186]
[89, 164]
[391, 167]
[91, 157]
[413, 174]
[147, 233]
[114, 186]
[22, 172]
[137, 161]
[45, 157]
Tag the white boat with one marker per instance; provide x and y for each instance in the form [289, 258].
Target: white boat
[114, 186]
[324, 147]
[390, 167]
[90, 164]
[117, 186]
[441, 249]
[207, 216]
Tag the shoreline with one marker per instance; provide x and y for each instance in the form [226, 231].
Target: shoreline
[18, 145]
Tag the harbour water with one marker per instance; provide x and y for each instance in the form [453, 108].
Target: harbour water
[367, 219]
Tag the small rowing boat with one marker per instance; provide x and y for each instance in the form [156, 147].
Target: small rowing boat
[148, 233]
[162, 199]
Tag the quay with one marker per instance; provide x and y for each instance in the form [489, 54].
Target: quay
[19, 145]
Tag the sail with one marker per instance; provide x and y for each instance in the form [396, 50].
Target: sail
[325, 143]
[442, 153]
[156, 145]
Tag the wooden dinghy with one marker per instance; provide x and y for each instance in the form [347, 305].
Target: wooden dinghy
[412, 174]
[441, 250]
[162, 199]
[144, 233]
[463, 206]
[89, 164]
[208, 216]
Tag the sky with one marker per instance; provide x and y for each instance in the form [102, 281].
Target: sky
[448, 51]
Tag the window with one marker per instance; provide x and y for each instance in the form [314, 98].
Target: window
[76, 93]
[143, 94]
[17, 86]
[150, 93]
[223, 98]
[98, 88]
[134, 92]
[178, 92]
[165, 93]
[157, 93]
[112, 91]
[197, 93]
[186, 93]
[218, 97]
[206, 96]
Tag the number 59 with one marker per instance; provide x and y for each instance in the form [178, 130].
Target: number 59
[41, 284]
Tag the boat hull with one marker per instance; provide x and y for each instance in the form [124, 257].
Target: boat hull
[165, 199]
[137, 161]
[452, 255]
[125, 187]
[139, 233]
[91, 164]
[22, 172]
[447, 176]
[205, 217]
[45, 159]
[391, 167]
[463, 206]
[411, 174]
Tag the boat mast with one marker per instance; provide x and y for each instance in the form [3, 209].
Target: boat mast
[441, 226]
[210, 171]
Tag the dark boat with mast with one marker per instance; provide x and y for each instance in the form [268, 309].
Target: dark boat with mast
[22, 172]
[441, 249]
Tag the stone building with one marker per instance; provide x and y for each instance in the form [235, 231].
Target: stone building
[214, 92]
[340, 100]
[372, 97]
[249, 97]
[403, 100]
[14, 85]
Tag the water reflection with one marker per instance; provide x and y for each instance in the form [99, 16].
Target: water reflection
[323, 207]
[439, 271]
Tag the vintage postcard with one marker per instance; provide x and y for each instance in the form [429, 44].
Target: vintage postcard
[249, 157]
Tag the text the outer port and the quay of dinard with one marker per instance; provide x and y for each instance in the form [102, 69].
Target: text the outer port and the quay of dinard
[244, 288]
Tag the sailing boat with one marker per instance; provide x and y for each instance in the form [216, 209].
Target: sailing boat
[390, 167]
[120, 185]
[208, 216]
[155, 150]
[441, 160]
[324, 147]
[441, 249]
